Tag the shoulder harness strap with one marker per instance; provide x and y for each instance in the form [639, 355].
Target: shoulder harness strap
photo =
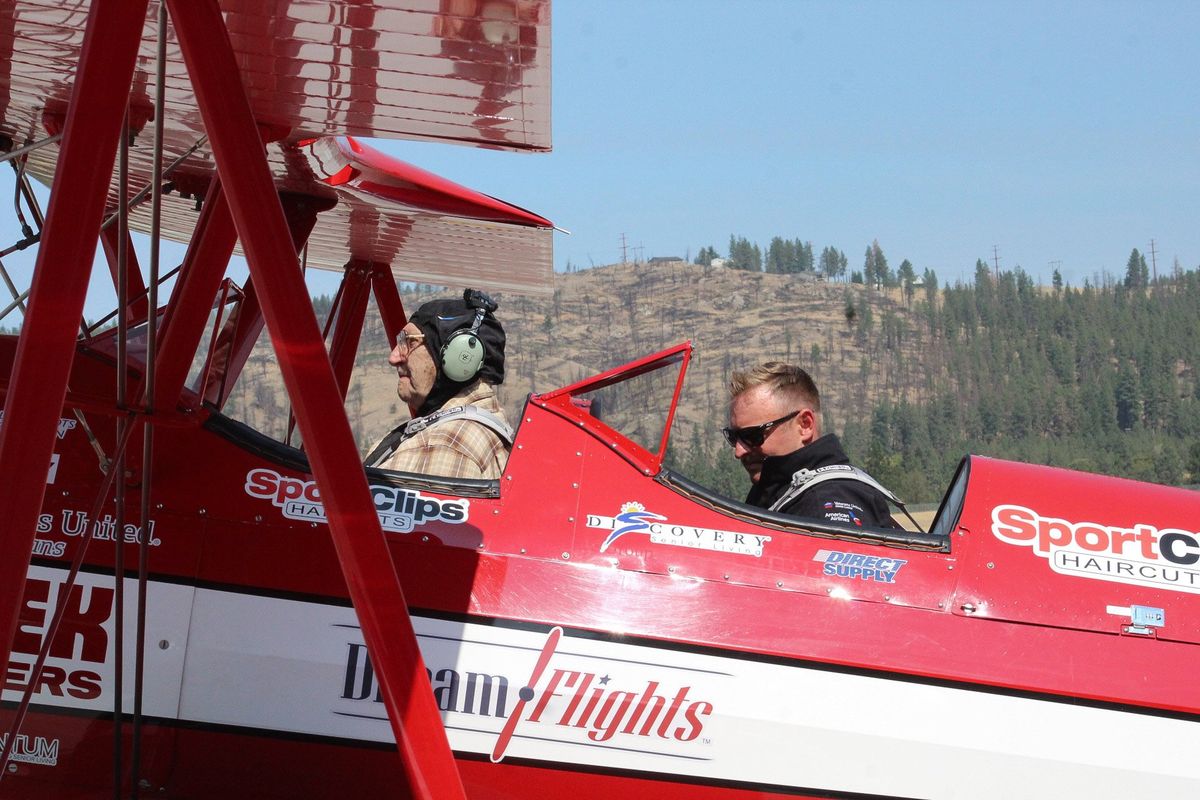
[805, 479]
[412, 427]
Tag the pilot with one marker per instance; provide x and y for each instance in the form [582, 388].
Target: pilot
[775, 431]
[449, 359]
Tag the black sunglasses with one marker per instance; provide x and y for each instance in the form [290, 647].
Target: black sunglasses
[754, 435]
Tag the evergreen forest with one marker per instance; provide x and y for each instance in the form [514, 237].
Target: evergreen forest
[1101, 378]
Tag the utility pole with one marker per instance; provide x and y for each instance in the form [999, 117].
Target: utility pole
[624, 250]
[996, 260]
[1154, 260]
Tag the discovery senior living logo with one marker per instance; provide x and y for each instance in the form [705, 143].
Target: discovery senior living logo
[634, 518]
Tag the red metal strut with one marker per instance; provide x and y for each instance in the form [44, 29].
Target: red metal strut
[46, 349]
[357, 536]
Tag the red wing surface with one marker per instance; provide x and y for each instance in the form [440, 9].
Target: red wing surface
[454, 71]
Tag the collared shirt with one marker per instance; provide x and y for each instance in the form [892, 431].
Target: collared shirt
[840, 502]
[456, 448]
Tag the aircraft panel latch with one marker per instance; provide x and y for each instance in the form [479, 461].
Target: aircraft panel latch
[1144, 619]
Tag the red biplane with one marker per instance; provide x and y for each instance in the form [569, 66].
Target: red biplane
[194, 609]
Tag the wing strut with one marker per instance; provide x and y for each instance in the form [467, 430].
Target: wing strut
[357, 536]
[241, 332]
[199, 279]
[46, 348]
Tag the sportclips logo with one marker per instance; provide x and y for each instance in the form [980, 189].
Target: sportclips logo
[399, 509]
[1141, 555]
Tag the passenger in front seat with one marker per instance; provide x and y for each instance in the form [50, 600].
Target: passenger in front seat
[449, 358]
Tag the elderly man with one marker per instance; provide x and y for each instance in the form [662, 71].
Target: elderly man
[449, 359]
[775, 431]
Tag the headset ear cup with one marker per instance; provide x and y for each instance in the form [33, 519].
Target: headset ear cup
[462, 356]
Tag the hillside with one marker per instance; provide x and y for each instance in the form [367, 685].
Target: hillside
[1098, 378]
[600, 318]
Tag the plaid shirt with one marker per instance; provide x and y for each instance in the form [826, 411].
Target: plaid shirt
[456, 448]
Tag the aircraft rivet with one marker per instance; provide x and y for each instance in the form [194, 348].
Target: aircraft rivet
[778, 584]
[828, 590]
[566, 556]
[12, 767]
[968, 608]
[579, 454]
[670, 569]
[495, 511]
[574, 485]
[163, 644]
[726, 576]
[424, 538]
[991, 565]
[941, 604]
[522, 551]
[529, 419]
[613, 445]
[949, 566]
[143, 784]
[887, 597]
[258, 517]
[508, 477]
[64, 494]
[159, 506]
[202, 511]
[570, 519]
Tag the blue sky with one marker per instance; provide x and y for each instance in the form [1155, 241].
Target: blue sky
[1056, 132]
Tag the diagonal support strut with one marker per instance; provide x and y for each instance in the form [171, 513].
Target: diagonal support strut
[357, 536]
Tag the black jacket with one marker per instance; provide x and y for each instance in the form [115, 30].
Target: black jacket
[840, 502]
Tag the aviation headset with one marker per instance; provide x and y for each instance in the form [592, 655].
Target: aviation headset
[462, 354]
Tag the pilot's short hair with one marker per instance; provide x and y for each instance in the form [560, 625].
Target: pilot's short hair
[782, 379]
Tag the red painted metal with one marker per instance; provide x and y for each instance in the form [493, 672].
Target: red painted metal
[242, 332]
[354, 165]
[101, 498]
[560, 401]
[229, 299]
[417, 70]
[110, 239]
[192, 298]
[387, 299]
[353, 523]
[666, 434]
[43, 360]
[531, 559]
[354, 293]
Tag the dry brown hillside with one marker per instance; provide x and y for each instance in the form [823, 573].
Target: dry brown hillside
[599, 318]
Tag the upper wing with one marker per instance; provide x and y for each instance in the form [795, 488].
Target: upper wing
[472, 72]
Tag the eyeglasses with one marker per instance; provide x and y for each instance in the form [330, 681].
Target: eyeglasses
[407, 342]
[754, 435]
